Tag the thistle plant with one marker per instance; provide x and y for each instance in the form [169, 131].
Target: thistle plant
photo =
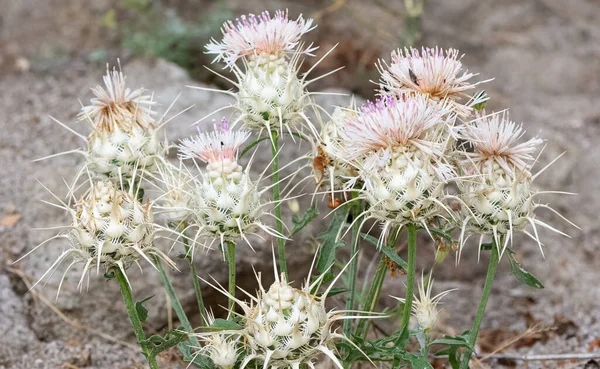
[421, 156]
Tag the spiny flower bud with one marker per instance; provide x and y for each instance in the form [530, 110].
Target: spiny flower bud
[124, 136]
[431, 72]
[424, 307]
[222, 347]
[397, 146]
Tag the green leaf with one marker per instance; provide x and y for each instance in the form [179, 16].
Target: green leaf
[306, 218]
[334, 291]
[453, 341]
[141, 311]
[252, 144]
[158, 343]
[110, 275]
[225, 325]
[330, 241]
[415, 361]
[442, 234]
[390, 253]
[522, 275]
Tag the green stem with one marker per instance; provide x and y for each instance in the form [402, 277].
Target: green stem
[136, 324]
[376, 284]
[195, 281]
[350, 299]
[276, 199]
[410, 277]
[487, 288]
[231, 261]
[175, 301]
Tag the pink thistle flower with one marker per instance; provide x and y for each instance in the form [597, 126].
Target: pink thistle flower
[253, 35]
[494, 137]
[432, 72]
[215, 147]
[116, 106]
[392, 122]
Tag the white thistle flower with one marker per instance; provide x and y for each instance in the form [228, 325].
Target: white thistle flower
[118, 106]
[261, 37]
[496, 191]
[432, 72]
[286, 327]
[124, 136]
[226, 202]
[110, 229]
[424, 307]
[398, 147]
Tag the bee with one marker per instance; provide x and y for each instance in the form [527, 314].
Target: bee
[413, 77]
[319, 163]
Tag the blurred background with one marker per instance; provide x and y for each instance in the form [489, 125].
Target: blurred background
[543, 54]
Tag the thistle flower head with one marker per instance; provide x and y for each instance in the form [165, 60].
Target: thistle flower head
[117, 106]
[110, 229]
[226, 203]
[286, 327]
[391, 124]
[218, 149]
[432, 72]
[124, 137]
[397, 147]
[495, 138]
[497, 191]
[263, 37]
[424, 307]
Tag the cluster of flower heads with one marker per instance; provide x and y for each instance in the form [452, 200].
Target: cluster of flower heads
[422, 133]
[283, 327]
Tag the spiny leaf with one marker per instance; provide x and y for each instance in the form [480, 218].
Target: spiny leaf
[522, 275]
[141, 311]
[390, 253]
[306, 218]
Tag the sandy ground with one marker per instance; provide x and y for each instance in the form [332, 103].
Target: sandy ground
[543, 54]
